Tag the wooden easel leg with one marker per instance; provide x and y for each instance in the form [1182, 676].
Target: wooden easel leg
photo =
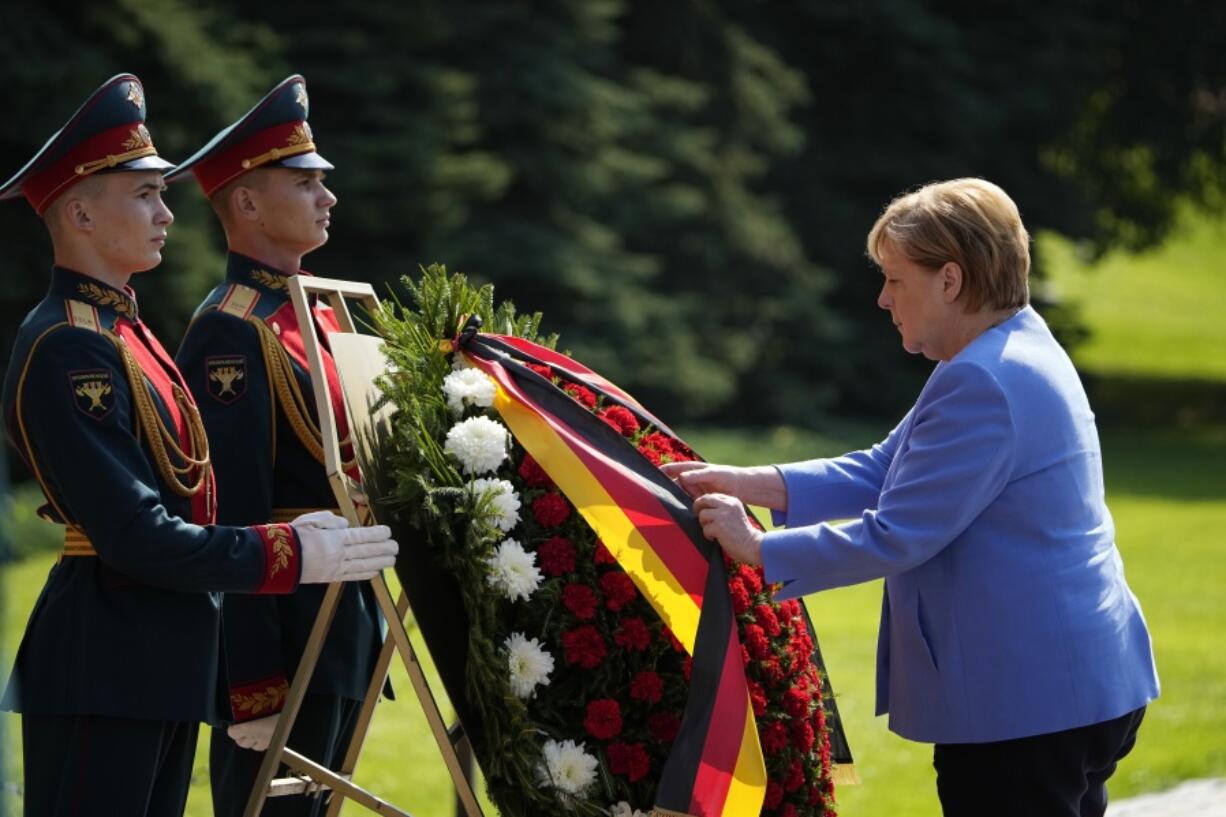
[377, 680]
[293, 700]
[425, 697]
[342, 788]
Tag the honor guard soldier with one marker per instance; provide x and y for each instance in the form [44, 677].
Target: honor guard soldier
[120, 659]
[245, 362]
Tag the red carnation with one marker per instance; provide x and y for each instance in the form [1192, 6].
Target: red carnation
[602, 555]
[790, 608]
[621, 419]
[633, 635]
[757, 642]
[584, 647]
[580, 600]
[647, 686]
[801, 646]
[629, 759]
[796, 776]
[758, 696]
[652, 455]
[752, 578]
[543, 371]
[550, 509]
[664, 726]
[772, 671]
[618, 590]
[803, 736]
[774, 795]
[557, 556]
[582, 394]
[775, 737]
[796, 703]
[765, 615]
[745, 659]
[604, 719]
[659, 443]
[740, 597]
[533, 474]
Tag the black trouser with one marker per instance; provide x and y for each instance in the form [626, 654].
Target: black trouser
[321, 732]
[1060, 774]
[94, 766]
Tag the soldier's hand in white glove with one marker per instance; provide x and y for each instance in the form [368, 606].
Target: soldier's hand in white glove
[254, 735]
[334, 552]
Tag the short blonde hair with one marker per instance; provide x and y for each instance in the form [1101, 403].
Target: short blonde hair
[90, 187]
[970, 222]
[256, 179]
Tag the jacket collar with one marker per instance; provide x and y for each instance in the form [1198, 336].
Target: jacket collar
[110, 302]
[241, 269]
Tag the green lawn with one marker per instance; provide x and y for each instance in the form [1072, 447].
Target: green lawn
[1168, 494]
[1161, 313]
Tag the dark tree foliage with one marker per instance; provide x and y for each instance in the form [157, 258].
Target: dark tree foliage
[682, 188]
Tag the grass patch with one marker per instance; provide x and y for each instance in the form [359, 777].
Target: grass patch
[1168, 495]
[1156, 314]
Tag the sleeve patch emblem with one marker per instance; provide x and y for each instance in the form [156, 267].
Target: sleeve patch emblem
[226, 377]
[93, 392]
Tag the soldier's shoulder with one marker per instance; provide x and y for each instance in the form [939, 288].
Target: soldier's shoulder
[239, 302]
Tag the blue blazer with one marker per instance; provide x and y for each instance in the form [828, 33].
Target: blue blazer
[1006, 612]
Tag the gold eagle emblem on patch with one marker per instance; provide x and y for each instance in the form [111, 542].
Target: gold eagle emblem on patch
[93, 393]
[226, 377]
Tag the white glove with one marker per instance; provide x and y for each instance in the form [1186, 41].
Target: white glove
[254, 735]
[333, 552]
[321, 520]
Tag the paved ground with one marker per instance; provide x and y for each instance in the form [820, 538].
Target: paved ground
[1192, 798]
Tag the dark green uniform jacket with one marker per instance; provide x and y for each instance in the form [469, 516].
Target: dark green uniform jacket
[133, 631]
[267, 472]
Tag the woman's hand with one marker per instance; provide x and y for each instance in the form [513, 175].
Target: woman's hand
[698, 478]
[724, 520]
[758, 485]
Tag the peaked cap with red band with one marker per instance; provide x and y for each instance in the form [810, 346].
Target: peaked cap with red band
[106, 134]
[274, 133]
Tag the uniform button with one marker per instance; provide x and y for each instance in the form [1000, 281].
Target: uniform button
[276, 328]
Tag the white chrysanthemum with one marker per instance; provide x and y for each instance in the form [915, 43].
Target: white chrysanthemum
[513, 571]
[479, 443]
[468, 387]
[504, 502]
[567, 768]
[529, 664]
[623, 809]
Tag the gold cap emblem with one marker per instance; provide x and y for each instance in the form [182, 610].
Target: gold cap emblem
[135, 96]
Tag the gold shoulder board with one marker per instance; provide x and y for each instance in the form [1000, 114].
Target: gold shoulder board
[240, 301]
[83, 316]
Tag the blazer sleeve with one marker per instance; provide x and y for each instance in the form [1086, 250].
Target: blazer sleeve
[838, 487]
[240, 427]
[958, 459]
[95, 466]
